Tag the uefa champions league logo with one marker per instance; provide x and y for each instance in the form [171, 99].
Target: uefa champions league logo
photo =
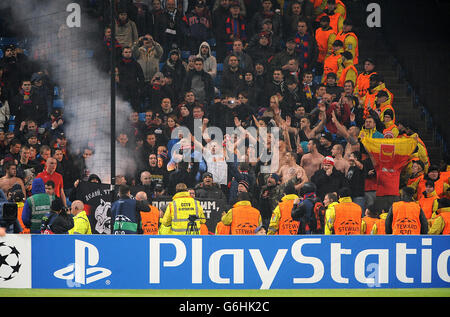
[9, 262]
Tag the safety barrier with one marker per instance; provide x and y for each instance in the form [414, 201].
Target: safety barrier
[223, 262]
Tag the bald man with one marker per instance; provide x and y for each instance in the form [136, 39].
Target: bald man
[149, 220]
[50, 174]
[80, 219]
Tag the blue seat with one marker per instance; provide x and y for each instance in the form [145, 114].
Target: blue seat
[58, 103]
[213, 53]
[141, 116]
[219, 67]
[212, 42]
[8, 41]
[1, 53]
[185, 54]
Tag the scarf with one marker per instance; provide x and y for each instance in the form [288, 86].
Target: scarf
[310, 195]
[127, 60]
[107, 41]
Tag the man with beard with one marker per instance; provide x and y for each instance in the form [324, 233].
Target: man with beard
[131, 80]
[232, 77]
[10, 178]
[126, 30]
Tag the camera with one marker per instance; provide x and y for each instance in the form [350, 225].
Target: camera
[193, 218]
[231, 102]
[8, 211]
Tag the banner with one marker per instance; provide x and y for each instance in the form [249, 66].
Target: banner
[239, 262]
[213, 209]
[97, 203]
[97, 200]
[389, 157]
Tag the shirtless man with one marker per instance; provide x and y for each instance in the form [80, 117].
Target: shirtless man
[340, 163]
[305, 126]
[292, 169]
[351, 135]
[10, 178]
[313, 159]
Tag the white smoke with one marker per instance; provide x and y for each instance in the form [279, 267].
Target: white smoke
[85, 89]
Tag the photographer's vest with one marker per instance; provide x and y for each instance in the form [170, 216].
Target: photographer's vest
[245, 218]
[124, 214]
[406, 218]
[40, 206]
[150, 221]
[287, 226]
[181, 207]
[347, 219]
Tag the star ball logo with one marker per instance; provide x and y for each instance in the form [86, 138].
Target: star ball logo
[9, 262]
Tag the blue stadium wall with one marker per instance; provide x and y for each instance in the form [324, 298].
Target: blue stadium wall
[224, 262]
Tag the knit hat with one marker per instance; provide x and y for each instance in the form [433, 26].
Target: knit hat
[328, 160]
[244, 183]
[207, 174]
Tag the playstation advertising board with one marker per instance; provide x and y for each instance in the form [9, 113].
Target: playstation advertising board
[223, 262]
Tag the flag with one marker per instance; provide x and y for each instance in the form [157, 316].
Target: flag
[389, 156]
[97, 204]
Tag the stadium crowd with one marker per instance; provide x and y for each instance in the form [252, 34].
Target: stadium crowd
[293, 65]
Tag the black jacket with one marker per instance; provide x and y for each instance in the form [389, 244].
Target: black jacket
[207, 81]
[62, 223]
[328, 184]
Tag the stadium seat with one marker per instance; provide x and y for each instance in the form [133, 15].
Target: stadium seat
[185, 54]
[1, 53]
[58, 103]
[219, 67]
[141, 116]
[8, 41]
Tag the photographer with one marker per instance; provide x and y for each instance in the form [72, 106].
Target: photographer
[58, 220]
[8, 216]
[147, 53]
[178, 212]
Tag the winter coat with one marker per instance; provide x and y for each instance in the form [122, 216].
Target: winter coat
[148, 58]
[209, 61]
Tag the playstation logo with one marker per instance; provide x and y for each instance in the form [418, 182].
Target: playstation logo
[83, 271]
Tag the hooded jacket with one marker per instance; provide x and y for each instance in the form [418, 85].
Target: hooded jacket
[209, 61]
[36, 206]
